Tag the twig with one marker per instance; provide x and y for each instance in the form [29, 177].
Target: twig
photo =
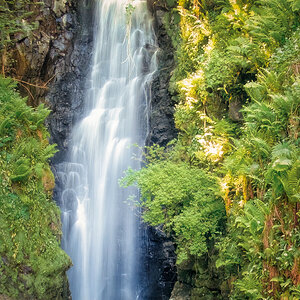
[27, 89]
[45, 84]
[31, 84]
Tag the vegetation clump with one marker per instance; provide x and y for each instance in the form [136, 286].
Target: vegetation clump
[32, 264]
[183, 198]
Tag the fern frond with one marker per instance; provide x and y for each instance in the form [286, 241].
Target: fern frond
[282, 150]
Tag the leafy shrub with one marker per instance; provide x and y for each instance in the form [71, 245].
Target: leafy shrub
[182, 198]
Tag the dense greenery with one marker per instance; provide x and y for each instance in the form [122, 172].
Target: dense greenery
[185, 199]
[14, 19]
[32, 264]
[232, 54]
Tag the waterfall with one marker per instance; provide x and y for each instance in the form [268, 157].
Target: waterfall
[99, 228]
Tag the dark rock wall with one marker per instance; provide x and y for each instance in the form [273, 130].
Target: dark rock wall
[159, 249]
[161, 121]
[159, 262]
[51, 63]
[68, 88]
[40, 54]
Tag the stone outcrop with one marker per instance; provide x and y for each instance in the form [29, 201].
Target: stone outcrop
[68, 88]
[39, 53]
[51, 63]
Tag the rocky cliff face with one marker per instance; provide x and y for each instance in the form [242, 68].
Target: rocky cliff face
[70, 62]
[61, 60]
[51, 63]
[159, 250]
[159, 261]
[162, 128]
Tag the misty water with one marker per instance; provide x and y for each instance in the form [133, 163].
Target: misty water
[100, 229]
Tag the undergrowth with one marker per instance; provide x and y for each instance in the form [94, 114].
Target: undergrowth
[237, 94]
[32, 264]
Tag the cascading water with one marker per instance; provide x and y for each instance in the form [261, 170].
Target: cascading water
[100, 229]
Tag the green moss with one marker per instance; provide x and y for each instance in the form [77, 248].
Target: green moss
[32, 264]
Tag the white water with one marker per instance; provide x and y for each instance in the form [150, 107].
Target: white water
[100, 229]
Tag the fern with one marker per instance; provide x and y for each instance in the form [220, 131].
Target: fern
[256, 91]
[291, 183]
[272, 22]
[271, 80]
[21, 170]
[48, 152]
[26, 209]
[282, 150]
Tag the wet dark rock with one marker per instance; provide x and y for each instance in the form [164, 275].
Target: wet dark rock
[159, 250]
[234, 111]
[71, 53]
[54, 60]
[162, 128]
[159, 265]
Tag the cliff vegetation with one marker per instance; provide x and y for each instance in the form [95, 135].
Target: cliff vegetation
[227, 189]
[32, 263]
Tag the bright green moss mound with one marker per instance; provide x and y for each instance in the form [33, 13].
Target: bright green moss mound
[32, 264]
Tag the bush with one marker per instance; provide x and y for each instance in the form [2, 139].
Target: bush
[182, 198]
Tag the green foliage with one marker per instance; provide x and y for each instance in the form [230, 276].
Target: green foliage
[129, 11]
[245, 52]
[274, 21]
[265, 164]
[184, 199]
[14, 19]
[32, 262]
[259, 252]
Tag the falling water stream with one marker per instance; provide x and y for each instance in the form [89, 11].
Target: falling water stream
[100, 229]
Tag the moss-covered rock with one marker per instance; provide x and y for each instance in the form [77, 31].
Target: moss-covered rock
[32, 264]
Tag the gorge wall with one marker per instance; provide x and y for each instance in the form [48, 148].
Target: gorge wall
[219, 60]
[159, 249]
[51, 65]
